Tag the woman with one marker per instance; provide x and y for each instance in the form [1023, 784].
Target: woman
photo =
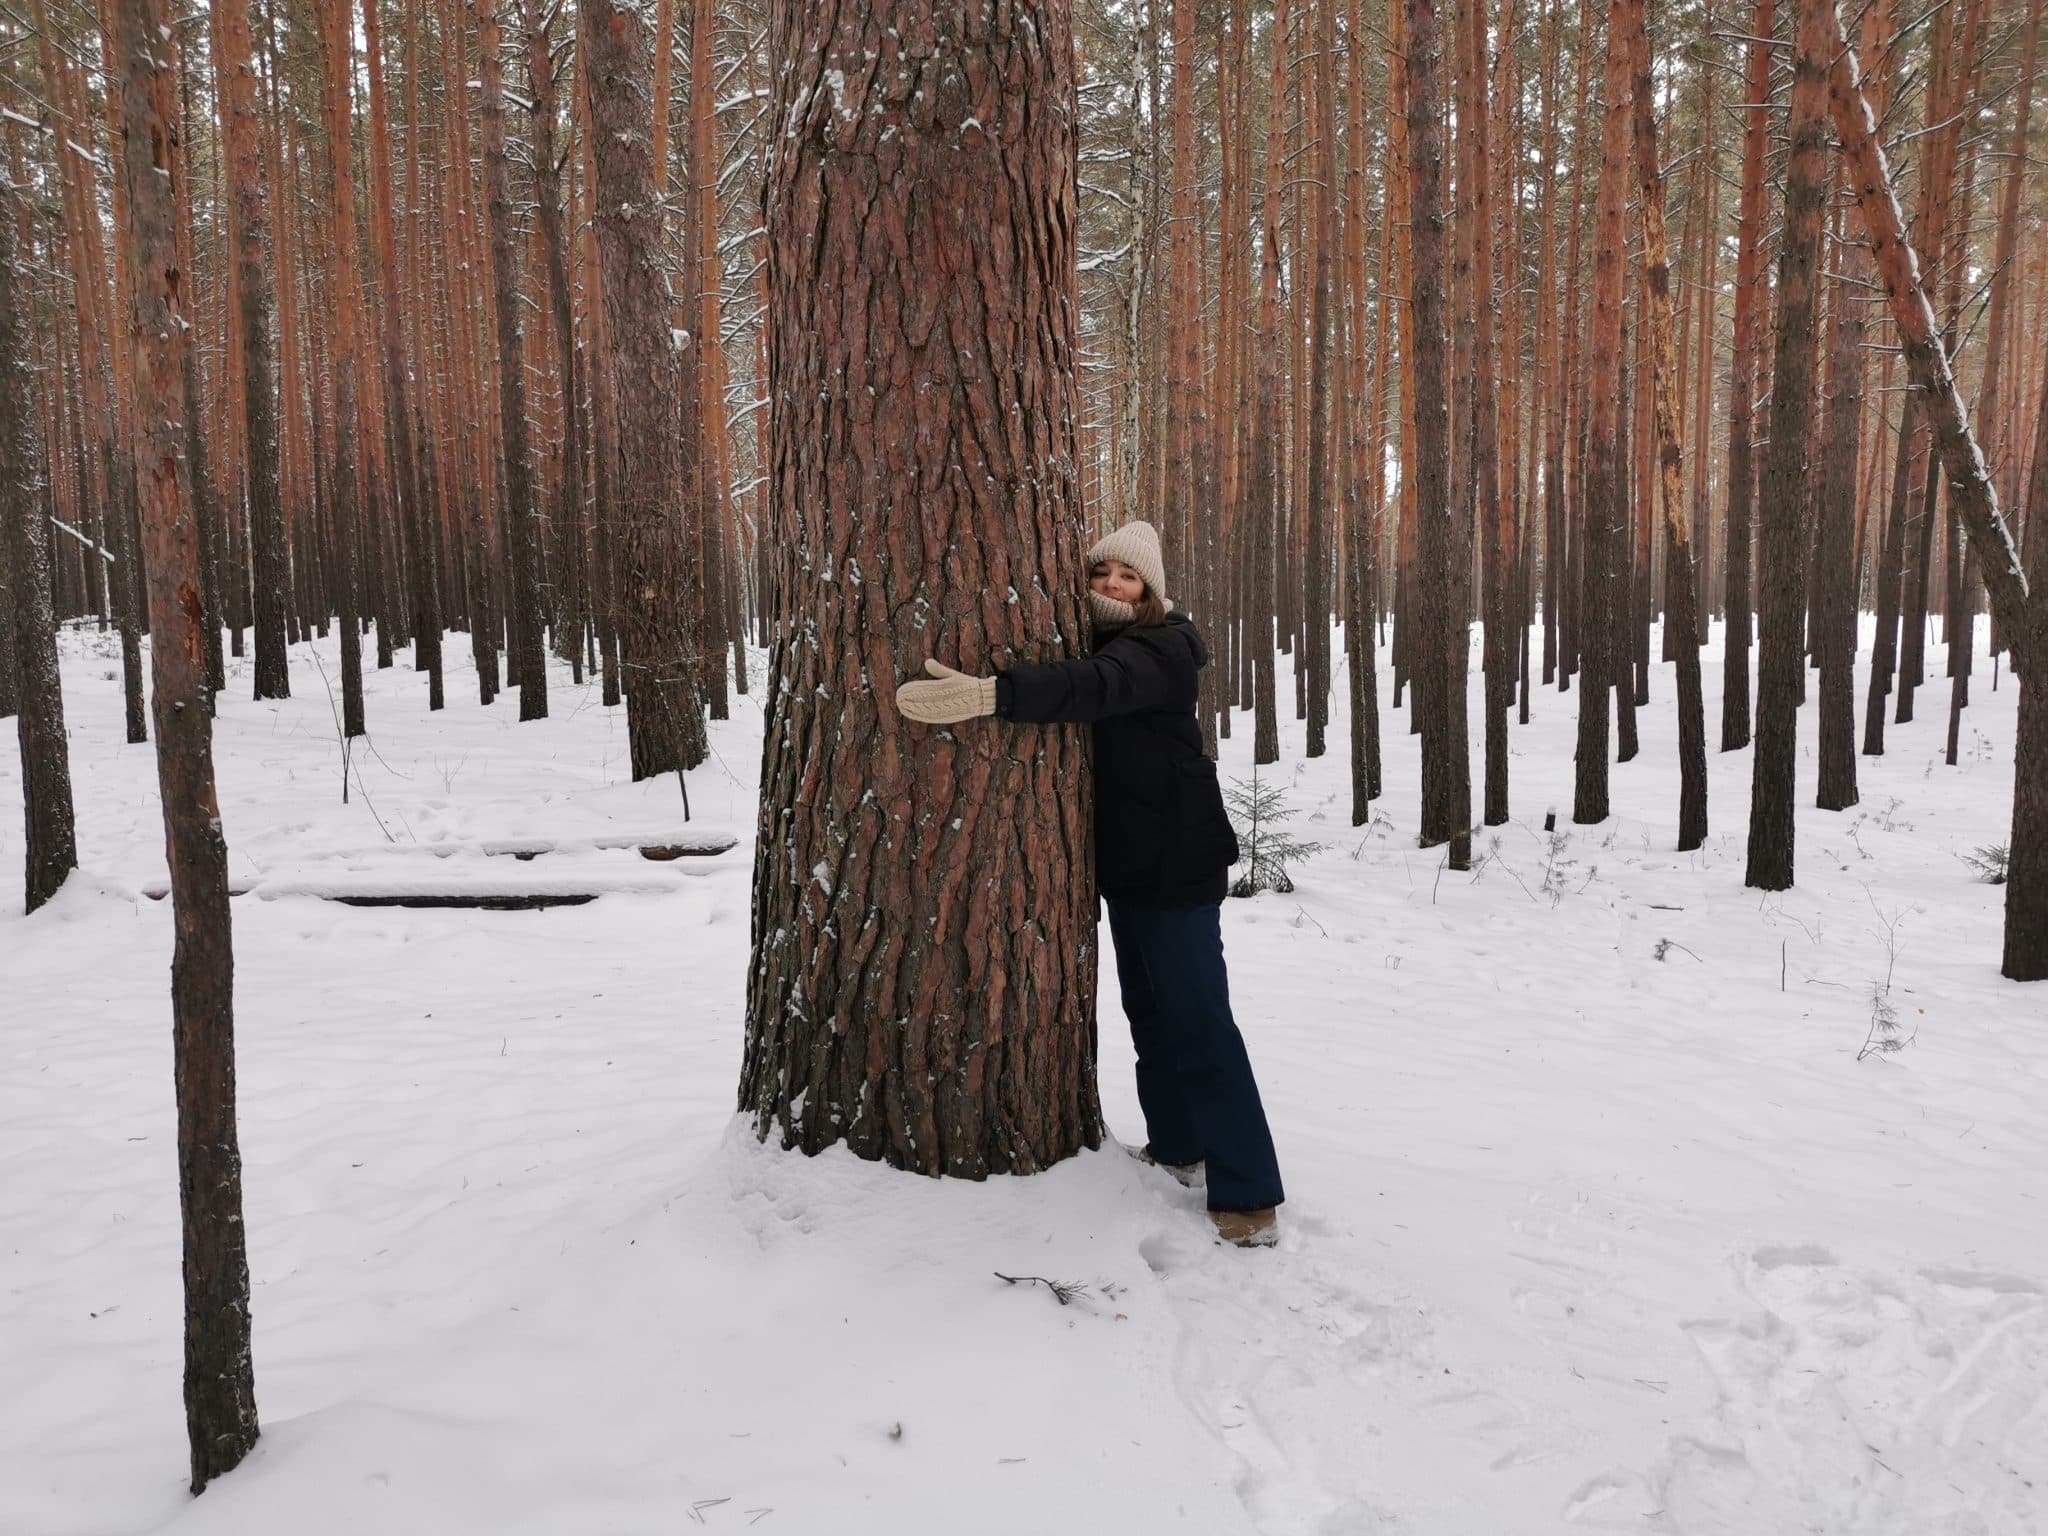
[1162, 846]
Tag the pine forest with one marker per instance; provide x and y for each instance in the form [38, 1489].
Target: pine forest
[1602, 443]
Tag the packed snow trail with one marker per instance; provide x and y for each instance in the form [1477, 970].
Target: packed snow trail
[1596, 1221]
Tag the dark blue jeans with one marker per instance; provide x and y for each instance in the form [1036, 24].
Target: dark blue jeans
[1194, 1079]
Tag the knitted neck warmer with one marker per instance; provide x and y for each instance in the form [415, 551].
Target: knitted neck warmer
[1108, 613]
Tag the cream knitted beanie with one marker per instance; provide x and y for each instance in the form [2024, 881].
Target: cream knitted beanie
[1137, 545]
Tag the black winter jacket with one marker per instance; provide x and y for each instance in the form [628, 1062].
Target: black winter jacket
[1161, 835]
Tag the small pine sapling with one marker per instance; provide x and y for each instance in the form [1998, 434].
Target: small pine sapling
[1265, 849]
[1886, 1037]
[1989, 862]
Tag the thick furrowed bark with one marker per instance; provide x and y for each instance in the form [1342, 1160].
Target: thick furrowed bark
[922, 977]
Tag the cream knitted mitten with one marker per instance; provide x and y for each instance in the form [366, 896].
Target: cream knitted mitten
[951, 697]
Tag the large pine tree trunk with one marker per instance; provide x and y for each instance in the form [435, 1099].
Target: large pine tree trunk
[1785, 490]
[922, 979]
[220, 1393]
[51, 837]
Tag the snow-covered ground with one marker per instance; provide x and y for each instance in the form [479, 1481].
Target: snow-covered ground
[1596, 1222]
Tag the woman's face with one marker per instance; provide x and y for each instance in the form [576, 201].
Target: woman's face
[1117, 581]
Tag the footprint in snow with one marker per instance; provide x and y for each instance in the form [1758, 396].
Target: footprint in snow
[1881, 1403]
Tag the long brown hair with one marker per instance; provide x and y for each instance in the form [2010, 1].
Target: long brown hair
[1149, 609]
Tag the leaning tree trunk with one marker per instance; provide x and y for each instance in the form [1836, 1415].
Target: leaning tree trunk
[2015, 593]
[51, 835]
[1783, 501]
[220, 1386]
[923, 967]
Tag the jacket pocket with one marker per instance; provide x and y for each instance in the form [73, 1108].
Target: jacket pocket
[1204, 840]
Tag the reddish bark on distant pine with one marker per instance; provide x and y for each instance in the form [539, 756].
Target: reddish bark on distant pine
[1681, 617]
[1749, 294]
[247, 225]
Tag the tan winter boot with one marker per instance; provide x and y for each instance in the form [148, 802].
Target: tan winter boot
[1247, 1229]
